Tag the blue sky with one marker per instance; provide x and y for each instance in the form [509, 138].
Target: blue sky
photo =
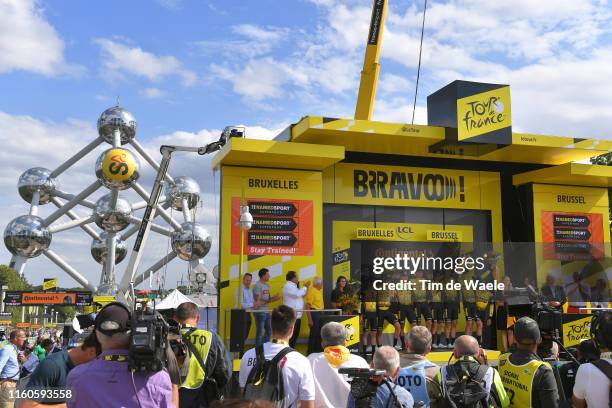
[188, 68]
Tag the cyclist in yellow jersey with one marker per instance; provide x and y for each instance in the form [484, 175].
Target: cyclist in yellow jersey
[469, 301]
[420, 297]
[452, 298]
[405, 310]
[437, 309]
[369, 318]
[529, 381]
[383, 310]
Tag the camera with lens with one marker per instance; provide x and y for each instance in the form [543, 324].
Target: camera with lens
[364, 383]
[149, 339]
[548, 318]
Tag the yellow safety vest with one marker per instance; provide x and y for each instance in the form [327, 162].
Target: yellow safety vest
[518, 379]
[201, 340]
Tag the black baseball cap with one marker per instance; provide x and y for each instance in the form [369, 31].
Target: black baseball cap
[526, 331]
[113, 318]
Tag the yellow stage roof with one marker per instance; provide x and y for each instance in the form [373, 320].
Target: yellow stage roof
[575, 174]
[269, 153]
[415, 140]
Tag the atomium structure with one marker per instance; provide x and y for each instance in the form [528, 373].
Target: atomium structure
[116, 169]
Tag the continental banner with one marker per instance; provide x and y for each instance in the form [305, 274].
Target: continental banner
[18, 298]
[407, 186]
[287, 222]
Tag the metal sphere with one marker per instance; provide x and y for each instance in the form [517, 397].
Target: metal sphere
[183, 188]
[27, 236]
[99, 249]
[191, 242]
[117, 168]
[37, 179]
[109, 219]
[117, 118]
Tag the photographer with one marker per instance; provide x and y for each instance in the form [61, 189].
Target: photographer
[207, 373]
[586, 352]
[107, 381]
[389, 394]
[593, 383]
[529, 381]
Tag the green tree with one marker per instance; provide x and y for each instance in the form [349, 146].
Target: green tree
[10, 278]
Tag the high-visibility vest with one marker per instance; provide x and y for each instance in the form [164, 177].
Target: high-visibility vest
[413, 379]
[518, 379]
[201, 340]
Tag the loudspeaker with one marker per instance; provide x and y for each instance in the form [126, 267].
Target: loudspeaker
[237, 330]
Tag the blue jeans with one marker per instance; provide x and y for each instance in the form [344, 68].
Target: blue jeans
[263, 330]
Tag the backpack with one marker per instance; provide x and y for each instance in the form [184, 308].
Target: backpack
[605, 368]
[265, 381]
[463, 390]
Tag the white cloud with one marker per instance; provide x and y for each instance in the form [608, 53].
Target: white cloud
[152, 93]
[28, 42]
[120, 58]
[257, 33]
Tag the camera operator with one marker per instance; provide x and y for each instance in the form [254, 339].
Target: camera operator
[593, 383]
[207, 373]
[529, 381]
[389, 394]
[107, 381]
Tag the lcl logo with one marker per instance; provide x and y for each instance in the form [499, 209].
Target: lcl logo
[402, 231]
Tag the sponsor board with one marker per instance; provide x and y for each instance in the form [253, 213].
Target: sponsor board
[483, 113]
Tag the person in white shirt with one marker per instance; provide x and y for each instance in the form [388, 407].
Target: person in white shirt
[247, 302]
[332, 389]
[293, 296]
[298, 381]
[592, 387]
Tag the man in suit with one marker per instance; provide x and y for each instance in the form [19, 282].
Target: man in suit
[553, 295]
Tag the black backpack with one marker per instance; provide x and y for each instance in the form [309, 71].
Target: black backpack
[463, 390]
[265, 381]
[605, 368]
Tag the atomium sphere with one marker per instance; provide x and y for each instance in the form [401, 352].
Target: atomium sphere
[112, 220]
[117, 168]
[27, 236]
[99, 249]
[37, 179]
[183, 188]
[117, 118]
[191, 242]
[107, 289]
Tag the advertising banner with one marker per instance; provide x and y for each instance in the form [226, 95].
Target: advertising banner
[572, 236]
[18, 298]
[280, 227]
[483, 113]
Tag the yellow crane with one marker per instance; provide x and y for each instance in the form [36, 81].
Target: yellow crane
[371, 67]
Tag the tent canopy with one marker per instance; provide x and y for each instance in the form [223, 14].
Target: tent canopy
[173, 300]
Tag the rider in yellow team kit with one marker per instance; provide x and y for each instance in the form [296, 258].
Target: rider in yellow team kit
[452, 298]
[420, 298]
[383, 310]
[405, 312]
[369, 318]
[437, 309]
